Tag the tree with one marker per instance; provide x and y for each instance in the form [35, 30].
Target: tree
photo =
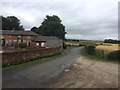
[10, 23]
[34, 29]
[112, 41]
[52, 26]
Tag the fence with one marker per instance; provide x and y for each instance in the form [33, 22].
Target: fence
[18, 57]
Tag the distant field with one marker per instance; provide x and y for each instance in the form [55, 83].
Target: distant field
[108, 47]
[72, 43]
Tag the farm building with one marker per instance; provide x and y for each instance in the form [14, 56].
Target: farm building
[11, 39]
[48, 41]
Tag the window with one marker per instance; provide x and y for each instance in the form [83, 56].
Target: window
[19, 36]
[24, 41]
[42, 44]
[3, 42]
[7, 42]
[10, 42]
[1, 37]
[37, 44]
[14, 40]
[28, 37]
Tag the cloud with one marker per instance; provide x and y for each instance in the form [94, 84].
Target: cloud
[83, 19]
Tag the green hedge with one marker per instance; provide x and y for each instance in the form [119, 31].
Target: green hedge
[87, 44]
[115, 55]
[64, 46]
[90, 49]
[22, 45]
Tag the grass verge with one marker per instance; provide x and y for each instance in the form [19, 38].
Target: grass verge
[96, 58]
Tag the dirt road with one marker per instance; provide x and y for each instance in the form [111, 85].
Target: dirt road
[85, 73]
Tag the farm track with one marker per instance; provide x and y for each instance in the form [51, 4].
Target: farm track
[37, 76]
[85, 73]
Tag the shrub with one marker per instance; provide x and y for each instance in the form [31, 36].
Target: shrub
[90, 49]
[115, 55]
[22, 45]
[100, 53]
[81, 44]
[64, 46]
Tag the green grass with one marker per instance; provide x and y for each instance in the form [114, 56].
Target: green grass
[88, 44]
[37, 61]
[96, 58]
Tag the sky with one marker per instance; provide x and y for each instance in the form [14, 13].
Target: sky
[83, 19]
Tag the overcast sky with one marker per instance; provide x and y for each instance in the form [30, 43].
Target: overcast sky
[83, 19]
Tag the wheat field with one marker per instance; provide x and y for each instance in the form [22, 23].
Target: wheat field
[108, 47]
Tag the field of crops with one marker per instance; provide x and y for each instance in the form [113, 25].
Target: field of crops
[108, 47]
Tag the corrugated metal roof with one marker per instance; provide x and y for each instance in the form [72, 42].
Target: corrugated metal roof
[17, 32]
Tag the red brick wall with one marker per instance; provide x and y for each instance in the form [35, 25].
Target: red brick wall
[12, 38]
[17, 57]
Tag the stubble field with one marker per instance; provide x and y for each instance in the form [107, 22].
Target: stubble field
[108, 47]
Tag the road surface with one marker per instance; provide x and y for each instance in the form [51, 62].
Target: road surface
[34, 76]
[87, 73]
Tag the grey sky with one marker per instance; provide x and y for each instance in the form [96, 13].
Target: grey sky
[83, 19]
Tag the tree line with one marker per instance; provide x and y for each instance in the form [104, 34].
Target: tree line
[10, 23]
[112, 41]
[51, 26]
